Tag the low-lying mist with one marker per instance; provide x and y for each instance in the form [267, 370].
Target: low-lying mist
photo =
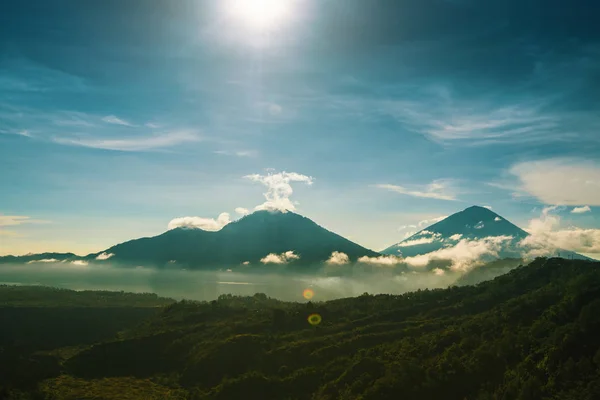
[208, 285]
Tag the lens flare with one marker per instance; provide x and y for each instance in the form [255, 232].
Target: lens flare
[308, 294]
[314, 319]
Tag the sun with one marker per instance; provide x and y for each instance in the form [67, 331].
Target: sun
[261, 14]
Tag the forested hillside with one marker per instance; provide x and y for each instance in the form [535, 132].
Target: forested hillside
[533, 333]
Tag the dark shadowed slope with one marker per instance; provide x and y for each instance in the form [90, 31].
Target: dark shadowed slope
[248, 240]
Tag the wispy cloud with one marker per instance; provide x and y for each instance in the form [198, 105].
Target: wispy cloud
[18, 132]
[74, 119]
[238, 153]
[111, 119]
[279, 189]
[439, 189]
[12, 220]
[144, 143]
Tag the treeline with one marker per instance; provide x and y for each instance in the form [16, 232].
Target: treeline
[533, 333]
[42, 296]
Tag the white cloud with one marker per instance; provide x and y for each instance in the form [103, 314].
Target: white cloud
[111, 119]
[488, 207]
[581, 210]
[416, 242]
[238, 153]
[44, 260]
[439, 271]
[497, 219]
[151, 125]
[569, 182]
[207, 224]
[338, 258]
[279, 189]
[426, 237]
[134, 144]
[80, 263]
[456, 237]
[464, 255]
[104, 256]
[439, 189]
[381, 260]
[246, 263]
[242, 211]
[282, 258]
[546, 238]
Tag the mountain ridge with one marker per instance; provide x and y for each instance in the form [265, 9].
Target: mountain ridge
[247, 240]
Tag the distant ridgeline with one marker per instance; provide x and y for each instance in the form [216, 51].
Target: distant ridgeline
[286, 238]
[532, 333]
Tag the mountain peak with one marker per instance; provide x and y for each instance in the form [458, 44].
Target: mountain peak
[250, 239]
[473, 223]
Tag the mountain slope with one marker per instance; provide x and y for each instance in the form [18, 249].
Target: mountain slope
[473, 223]
[41, 257]
[249, 239]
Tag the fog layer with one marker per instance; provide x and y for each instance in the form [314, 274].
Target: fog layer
[204, 285]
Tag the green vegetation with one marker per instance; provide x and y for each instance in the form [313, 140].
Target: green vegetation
[41, 296]
[533, 333]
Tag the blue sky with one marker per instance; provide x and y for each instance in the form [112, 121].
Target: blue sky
[118, 116]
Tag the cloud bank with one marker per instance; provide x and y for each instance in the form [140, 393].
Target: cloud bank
[546, 238]
[570, 182]
[465, 255]
[381, 260]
